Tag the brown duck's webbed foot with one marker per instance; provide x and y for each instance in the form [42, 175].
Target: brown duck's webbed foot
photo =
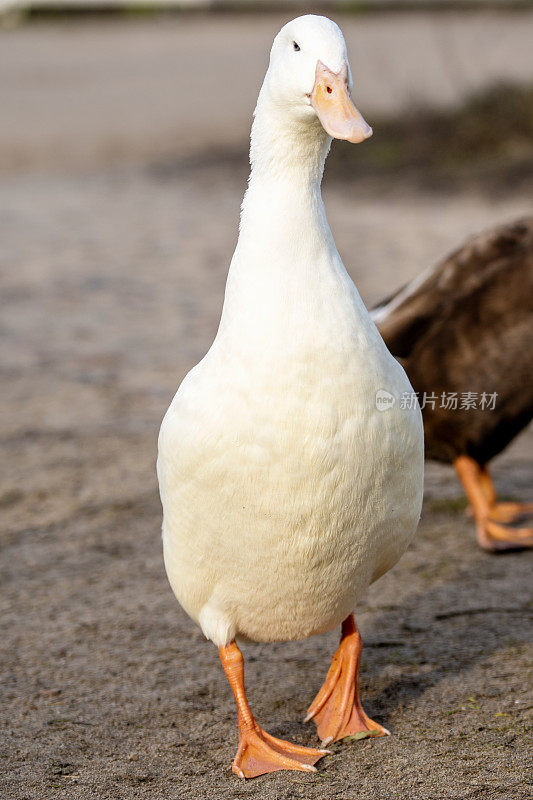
[259, 752]
[489, 515]
[502, 512]
[510, 512]
[337, 709]
[495, 537]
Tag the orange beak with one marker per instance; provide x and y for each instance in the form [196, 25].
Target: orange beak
[332, 102]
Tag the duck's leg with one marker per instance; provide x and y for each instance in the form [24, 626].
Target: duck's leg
[337, 709]
[259, 752]
[491, 535]
[502, 512]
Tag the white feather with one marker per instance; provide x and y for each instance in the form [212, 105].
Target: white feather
[285, 491]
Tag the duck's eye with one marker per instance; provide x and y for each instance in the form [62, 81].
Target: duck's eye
[329, 89]
[296, 46]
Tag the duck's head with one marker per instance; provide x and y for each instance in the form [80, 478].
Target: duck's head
[309, 76]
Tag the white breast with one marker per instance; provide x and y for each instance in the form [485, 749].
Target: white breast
[285, 491]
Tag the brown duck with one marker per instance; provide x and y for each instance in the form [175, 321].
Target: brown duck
[464, 332]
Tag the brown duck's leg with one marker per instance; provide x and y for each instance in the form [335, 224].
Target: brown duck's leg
[491, 535]
[502, 512]
[337, 709]
[259, 752]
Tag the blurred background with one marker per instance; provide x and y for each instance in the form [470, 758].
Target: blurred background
[123, 159]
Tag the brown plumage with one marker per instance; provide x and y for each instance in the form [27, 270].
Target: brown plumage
[467, 326]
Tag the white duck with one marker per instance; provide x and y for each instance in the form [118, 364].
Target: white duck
[285, 490]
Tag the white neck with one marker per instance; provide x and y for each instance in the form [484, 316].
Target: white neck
[283, 197]
[286, 265]
[282, 146]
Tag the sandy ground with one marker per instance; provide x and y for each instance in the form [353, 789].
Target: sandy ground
[111, 290]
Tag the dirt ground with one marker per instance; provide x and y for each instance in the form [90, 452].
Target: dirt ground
[111, 289]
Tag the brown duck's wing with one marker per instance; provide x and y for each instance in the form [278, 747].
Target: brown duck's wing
[479, 344]
[408, 315]
[467, 328]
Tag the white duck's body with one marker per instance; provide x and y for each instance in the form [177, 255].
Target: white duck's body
[286, 491]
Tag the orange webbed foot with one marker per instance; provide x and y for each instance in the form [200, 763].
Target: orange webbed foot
[337, 709]
[496, 538]
[493, 532]
[510, 512]
[259, 753]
